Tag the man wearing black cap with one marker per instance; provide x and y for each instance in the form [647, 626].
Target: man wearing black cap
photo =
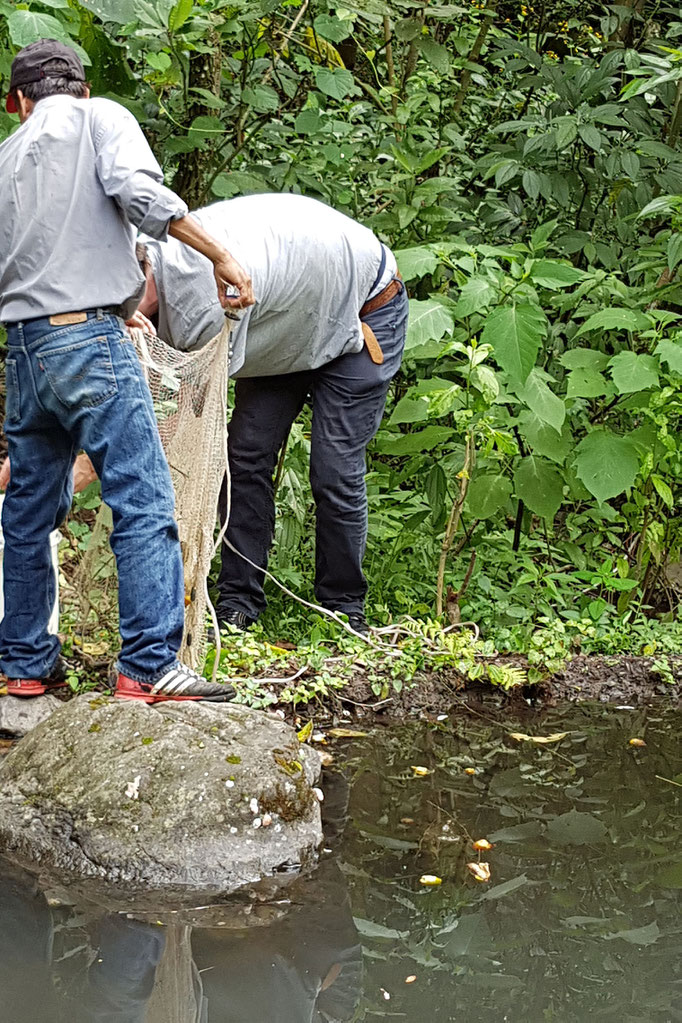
[76, 179]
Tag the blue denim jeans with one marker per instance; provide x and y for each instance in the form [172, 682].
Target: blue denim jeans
[68, 388]
[348, 396]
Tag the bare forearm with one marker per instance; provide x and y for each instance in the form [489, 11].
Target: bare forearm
[190, 232]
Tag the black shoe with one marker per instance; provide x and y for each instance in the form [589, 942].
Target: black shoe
[237, 619]
[358, 623]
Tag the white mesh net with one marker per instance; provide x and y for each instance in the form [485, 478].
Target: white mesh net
[189, 391]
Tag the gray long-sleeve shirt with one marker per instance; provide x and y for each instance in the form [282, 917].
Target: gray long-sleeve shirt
[312, 269]
[76, 179]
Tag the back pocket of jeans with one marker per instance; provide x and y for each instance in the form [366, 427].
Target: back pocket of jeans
[13, 394]
[81, 375]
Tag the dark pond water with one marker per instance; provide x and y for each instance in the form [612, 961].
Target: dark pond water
[579, 921]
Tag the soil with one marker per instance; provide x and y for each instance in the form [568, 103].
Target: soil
[621, 680]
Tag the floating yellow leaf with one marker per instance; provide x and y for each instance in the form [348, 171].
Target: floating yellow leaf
[470, 770]
[411, 979]
[420, 772]
[637, 742]
[482, 844]
[481, 871]
[346, 733]
[306, 732]
[542, 740]
[430, 880]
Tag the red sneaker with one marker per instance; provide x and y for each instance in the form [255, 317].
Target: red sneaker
[180, 683]
[38, 686]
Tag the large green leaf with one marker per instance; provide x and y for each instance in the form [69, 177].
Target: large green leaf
[487, 494]
[412, 443]
[586, 383]
[435, 53]
[615, 319]
[475, 297]
[261, 97]
[331, 28]
[538, 396]
[27, 26]
[337, 83]
[429, 321]
[539, 486]
[543, 440]
[515, 333]
[238, 183]
[120, 11]
[670, 352]
[409, 410]
[549, 273]
[179, 14]
[584, 358]
[416, 262]
[606, 463]
[632, 372]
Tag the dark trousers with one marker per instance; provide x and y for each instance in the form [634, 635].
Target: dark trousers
[347, 396]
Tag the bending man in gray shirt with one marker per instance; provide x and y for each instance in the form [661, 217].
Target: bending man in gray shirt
[328, 327]
[77, 178]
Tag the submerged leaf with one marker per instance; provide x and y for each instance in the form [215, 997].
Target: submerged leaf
[346, 733]
[430, 880]
[420, 772]
[482, 844]
[637, 935]
[637, 742]
[541, 740]
[574, 828]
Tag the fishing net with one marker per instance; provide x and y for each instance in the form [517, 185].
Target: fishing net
[189, 390]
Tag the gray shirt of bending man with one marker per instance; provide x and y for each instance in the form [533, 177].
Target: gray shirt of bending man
[114, 186]
[312, 270]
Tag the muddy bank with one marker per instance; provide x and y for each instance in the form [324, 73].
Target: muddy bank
[630, 680]
[619, 680]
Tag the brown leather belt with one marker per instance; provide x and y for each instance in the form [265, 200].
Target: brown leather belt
[385, 296]
[389, 292]
[69, 319]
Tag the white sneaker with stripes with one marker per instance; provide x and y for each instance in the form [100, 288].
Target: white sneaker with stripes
[179, 683]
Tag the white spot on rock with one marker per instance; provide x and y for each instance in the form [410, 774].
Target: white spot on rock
[133, 787]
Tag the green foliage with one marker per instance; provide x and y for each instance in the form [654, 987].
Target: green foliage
[328, 661]
[526, 169]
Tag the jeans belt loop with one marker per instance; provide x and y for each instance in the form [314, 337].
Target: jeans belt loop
[100, 314]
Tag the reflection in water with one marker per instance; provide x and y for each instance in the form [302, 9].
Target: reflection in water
[294, 960]
[580, 922]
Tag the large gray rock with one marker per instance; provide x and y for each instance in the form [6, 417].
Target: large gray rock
[20, 716]
[167, 798]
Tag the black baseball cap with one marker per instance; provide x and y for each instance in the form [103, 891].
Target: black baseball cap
[29, 66]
